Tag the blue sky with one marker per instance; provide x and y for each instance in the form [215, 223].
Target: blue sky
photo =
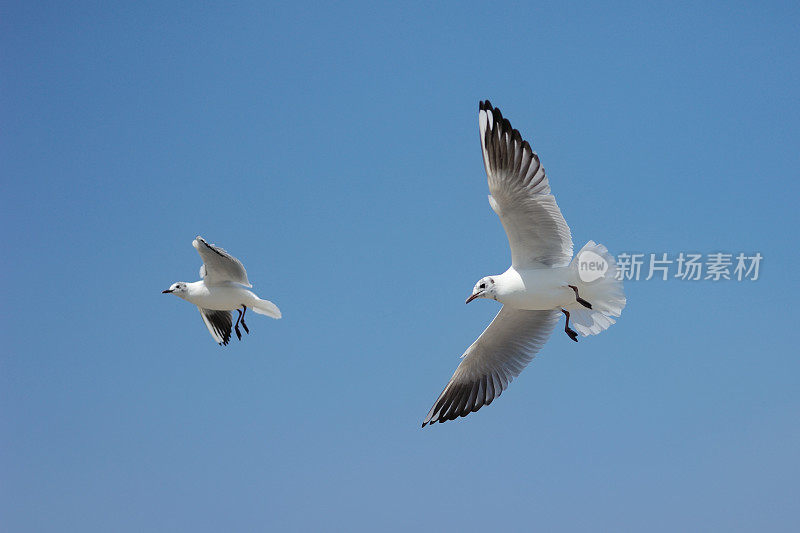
[334, 149]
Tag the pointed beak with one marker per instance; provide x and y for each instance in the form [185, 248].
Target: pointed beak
[473, 297]
[166, 291]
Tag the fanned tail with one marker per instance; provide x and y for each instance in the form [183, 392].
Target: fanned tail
[595, 275]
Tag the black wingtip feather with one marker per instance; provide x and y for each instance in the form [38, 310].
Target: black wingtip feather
[498, 115]
[221, 323]
[459, 400]
[498, 119]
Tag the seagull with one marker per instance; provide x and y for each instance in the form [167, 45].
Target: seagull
[222, 290]
[542, 283]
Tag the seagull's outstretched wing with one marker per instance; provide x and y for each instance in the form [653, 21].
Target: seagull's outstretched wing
[494, 359]
[218, 265]
[218, 323]
[520, 195]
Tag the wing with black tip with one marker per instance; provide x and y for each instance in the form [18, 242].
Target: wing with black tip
[520, 195]
[219, 324]
[493, 361]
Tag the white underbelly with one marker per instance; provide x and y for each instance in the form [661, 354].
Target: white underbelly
[542, 289]
[225, 299]
[549, 299]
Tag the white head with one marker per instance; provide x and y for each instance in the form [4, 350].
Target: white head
[178, 289]
[485, 288]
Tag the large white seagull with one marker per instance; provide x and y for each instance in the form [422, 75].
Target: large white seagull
[543, 282]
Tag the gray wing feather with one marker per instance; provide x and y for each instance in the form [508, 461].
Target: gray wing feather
[520, 195]
[501, 352]
[218, 265]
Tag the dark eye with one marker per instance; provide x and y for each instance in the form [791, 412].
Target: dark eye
[483, 285]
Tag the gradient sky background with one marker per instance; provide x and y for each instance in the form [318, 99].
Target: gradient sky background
[335, 151]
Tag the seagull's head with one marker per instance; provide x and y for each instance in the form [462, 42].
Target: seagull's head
[485, 288]
[178, 289]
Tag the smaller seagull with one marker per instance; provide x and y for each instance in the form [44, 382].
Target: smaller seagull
[222, 290]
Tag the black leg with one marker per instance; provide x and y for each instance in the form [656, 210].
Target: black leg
[236, 327]
[244, 310]
[578, 298]
[568, 330]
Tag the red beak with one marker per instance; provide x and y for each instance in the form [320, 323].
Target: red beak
[473, 297]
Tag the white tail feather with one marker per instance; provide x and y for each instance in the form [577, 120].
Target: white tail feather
[604, 293]
[265, 307]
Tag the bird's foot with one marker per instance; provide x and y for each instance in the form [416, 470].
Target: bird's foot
[571, 333]
[238, 333]
[244, 312]
[568, 330]
[578, 298]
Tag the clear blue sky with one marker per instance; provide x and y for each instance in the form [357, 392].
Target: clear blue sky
[335, 151]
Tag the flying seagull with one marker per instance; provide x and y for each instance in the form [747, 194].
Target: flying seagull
[222, 290]
[543, 282]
